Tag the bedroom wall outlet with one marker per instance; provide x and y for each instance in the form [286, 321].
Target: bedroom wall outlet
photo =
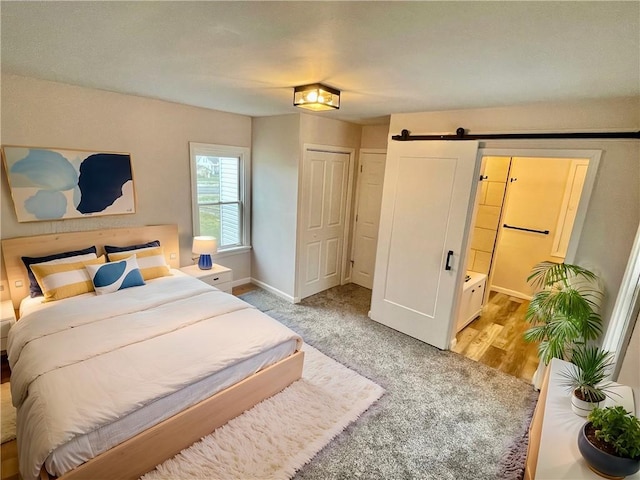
[18, 283]
[173, 256]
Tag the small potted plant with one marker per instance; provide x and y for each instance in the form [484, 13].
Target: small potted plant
[610, 442]
[585, 376]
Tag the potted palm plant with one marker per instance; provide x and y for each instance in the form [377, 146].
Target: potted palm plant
[563, 311]
[585, 376]
[610, 442]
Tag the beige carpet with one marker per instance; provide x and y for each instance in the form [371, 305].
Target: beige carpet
[8, 419]
[281, 434]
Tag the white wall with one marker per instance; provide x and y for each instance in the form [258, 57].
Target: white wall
[278, 148]
[326, 131]
[155, 133]
[595, 115]
[276, 156]
[375, 136]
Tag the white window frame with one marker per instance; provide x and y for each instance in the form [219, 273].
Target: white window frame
[244, 155]
[625, 311]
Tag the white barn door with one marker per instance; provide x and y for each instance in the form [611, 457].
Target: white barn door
[324, 196]
[427, 204]
[369, 198]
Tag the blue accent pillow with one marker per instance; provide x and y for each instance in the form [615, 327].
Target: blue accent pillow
[34, 288]
[114, 276]
[112, 249]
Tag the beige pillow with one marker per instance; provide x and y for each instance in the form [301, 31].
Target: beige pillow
[64, 280]
[151, 261]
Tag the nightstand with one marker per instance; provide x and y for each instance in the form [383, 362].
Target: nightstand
[219, 276]
[7, 320]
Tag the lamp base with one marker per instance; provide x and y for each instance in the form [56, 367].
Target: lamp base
[205, 263]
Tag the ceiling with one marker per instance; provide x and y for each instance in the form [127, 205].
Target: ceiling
[386, 57]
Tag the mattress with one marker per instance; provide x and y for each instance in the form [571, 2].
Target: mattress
[75, 403]
[82, 448]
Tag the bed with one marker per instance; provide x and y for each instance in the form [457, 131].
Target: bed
[108, 386]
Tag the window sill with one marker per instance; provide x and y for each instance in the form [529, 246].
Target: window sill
[228, 252]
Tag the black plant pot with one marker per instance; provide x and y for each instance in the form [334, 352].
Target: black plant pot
[603, 463]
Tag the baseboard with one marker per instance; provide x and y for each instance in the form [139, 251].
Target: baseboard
[275, 291]
[511, 293]
[242, 281]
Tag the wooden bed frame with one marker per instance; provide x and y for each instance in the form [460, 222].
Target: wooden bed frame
[143, 452]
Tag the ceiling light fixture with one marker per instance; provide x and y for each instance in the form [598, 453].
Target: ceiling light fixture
[316, 97]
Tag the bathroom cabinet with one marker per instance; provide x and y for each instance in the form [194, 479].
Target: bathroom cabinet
[472, 299]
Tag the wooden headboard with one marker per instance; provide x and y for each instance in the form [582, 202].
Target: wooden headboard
[41, 245]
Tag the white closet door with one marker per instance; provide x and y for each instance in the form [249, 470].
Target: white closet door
[426, 208]
[370, 180]
[324, 196]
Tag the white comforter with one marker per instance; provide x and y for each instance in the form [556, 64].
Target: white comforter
[87, 361]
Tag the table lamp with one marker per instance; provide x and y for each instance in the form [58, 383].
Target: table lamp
[205, 247]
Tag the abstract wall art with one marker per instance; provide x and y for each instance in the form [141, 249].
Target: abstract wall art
[56, 184]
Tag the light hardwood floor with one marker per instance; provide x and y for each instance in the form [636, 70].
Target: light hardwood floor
[495, 338]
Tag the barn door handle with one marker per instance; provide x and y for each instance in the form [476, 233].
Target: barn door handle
[449, 255]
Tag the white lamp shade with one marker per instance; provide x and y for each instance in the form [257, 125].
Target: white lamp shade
[204, 245]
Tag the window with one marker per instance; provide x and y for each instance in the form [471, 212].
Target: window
[220, 193]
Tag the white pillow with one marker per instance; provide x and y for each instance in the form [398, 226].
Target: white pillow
[151, 260]
[64, 279]
[113, 276]
[34, 287]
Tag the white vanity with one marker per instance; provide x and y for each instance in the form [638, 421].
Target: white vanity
[472, 299]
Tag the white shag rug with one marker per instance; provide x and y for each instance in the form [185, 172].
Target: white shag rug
[8, 414]
[281, 434]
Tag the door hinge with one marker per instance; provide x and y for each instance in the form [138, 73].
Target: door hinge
[360, 168]
[356, 217]
[352, 262]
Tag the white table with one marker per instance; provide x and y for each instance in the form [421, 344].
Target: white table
[556, 431]
[218, 276]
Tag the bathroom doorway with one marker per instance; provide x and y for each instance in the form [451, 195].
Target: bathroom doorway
[530, 208]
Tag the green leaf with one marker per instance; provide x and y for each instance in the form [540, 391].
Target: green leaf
[564, 311]
[588, 372]
[619, 428]
[536, 334]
